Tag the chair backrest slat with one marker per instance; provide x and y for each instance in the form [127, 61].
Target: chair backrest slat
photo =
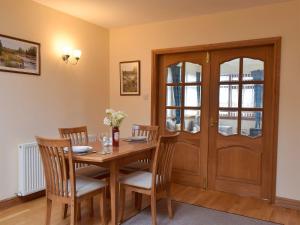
[163, 161]
[78, 135]
[58, 166]
[151, 132]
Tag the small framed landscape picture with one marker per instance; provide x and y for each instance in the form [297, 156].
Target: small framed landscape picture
[19, 56]
[130, 78]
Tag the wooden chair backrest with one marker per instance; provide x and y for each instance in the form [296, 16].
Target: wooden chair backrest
[78, 135]
[59, 170]
[151, 132]
[163, 161]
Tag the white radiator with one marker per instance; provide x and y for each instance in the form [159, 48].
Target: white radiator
[31, 172]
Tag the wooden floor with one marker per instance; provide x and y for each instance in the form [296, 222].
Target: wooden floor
[33, 212]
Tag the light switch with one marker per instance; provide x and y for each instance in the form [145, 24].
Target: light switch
[146, 97]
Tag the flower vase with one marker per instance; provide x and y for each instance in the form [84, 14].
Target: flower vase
[115, 136]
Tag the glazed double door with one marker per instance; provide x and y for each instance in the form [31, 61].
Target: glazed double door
[222, 104]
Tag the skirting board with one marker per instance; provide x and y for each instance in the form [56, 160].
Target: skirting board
[287, 203]
[19, 200]
[280, 201]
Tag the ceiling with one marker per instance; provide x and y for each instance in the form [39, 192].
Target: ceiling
[118, 13]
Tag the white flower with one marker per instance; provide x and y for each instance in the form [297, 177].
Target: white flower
[113, 118]
[107, 121]
[109, 111]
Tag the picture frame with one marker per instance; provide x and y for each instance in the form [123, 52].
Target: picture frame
[130, 78]
[20, 56]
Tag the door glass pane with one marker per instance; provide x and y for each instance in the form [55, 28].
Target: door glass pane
[229, 71]
[192, 96]
[173, 119]
[253, 69]
[229, 96]
[192, 120]
[228, 122]
[192, 72]
[251, 125]
[173, 96]
[252, 95]
[174, 73]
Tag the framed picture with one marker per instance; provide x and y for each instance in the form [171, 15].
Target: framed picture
[130, 78]
[19, 56]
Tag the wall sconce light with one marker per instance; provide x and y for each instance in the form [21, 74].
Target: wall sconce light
[71, 56]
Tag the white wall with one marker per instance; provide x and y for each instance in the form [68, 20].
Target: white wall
[64, 95]
[136, 42]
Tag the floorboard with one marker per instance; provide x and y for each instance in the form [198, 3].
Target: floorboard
[33, 212]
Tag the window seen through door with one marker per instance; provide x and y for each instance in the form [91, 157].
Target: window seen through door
[183, 97]
[241, 88]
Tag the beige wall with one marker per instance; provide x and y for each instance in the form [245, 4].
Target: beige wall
[136, 42]
[63, 95]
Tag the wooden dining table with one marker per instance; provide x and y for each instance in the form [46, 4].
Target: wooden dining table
[113, 159]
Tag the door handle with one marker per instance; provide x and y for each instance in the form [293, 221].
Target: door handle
[213, 122]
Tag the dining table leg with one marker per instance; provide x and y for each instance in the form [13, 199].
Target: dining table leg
[114, 192]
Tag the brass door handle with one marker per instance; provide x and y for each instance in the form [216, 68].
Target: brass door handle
[213, 122]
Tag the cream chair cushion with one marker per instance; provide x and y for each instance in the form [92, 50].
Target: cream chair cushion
[138, 165]
[141, 179]
[91, 171]
[85, 185]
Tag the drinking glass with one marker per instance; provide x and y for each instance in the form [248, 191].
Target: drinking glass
[105, 142]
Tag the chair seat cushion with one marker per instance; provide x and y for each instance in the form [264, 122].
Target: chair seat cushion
[140, 179]
[138, 165]
[91, 171]
[85, 185]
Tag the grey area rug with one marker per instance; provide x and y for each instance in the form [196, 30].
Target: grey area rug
[185, 214]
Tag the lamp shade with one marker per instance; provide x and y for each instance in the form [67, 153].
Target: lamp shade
[76, 53]
[66, 50]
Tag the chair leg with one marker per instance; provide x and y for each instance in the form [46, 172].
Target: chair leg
[48, 213]
[65, 211]
[107, 188]
[79, 211]
[122, 203]
[138, 201]
[153, 209]
[74, 211]
[103, 207]
[91, 202]
[169, 203]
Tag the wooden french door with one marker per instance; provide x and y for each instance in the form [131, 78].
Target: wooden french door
[183, 107]
[241, 121]
[224, 103]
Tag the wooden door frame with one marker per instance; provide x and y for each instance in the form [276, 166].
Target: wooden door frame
[275, 42]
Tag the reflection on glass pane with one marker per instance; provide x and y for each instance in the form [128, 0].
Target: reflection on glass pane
[174, 73]
[253, 69]
[173, 119]
[229, 96]
[192, 96]
[251, 125]
[252, 95]
[173, 95]
[192, 72]
[229, 71]
[228, 122]
[192, 120]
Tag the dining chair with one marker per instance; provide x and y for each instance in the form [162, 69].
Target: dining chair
[62, 184]
[157, 182]
[151, 134]
[79, 136]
